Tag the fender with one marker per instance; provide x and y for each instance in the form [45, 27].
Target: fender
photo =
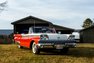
[25, 40]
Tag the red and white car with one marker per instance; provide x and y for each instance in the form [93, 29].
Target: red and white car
[39, 38]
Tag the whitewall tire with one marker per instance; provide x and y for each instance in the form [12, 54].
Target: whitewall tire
[35, 49]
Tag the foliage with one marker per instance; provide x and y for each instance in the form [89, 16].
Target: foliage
[87, 23]
[11, 35]
[3, 5]
[83, 53]
[4, 39]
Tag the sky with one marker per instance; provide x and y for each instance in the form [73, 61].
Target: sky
[67, 13]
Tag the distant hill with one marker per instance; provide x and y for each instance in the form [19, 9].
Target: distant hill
[6, 31]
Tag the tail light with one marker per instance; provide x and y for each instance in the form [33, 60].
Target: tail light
[44, 37]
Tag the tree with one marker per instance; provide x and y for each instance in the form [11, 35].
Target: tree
[3, 5]
[87, 23]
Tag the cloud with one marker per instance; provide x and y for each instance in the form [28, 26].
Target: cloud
[69, 13]
[2, 1]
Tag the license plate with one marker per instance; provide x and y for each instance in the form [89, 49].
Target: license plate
[48, 46]
[69, 43]
[59, 46]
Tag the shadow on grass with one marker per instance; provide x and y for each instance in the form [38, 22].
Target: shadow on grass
[82, 52]
[74, 52]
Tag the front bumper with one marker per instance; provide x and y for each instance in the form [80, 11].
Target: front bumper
[56, 44]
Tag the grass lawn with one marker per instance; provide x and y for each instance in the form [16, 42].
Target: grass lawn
[83, 53]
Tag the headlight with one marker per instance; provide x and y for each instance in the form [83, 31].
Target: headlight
[44, 37]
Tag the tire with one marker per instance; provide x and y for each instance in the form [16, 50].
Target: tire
[64, 50]
[19, 46]
[35, 49]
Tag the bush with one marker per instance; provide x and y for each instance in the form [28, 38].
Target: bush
[5, 39]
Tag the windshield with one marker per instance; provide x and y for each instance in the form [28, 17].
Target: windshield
[43, 30]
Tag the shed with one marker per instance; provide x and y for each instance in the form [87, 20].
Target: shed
[25, 23]
[87, 35]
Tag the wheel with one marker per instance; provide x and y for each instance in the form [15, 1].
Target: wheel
[35, 49]
[19, 46]
[64, 50]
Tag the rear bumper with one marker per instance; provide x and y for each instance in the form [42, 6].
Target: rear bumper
[56, 44]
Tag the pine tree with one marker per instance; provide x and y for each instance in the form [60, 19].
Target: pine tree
[87, 23]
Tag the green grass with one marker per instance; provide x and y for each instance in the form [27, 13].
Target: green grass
[83, 53]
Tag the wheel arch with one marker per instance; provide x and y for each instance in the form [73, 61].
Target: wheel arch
[31, 43]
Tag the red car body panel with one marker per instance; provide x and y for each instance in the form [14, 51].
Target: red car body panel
[26, 40]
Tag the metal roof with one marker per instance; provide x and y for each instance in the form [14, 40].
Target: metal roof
[23, 20]
[39, 21]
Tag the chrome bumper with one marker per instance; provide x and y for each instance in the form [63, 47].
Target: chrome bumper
[57, 44]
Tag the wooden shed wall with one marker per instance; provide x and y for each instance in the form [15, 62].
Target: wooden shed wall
[87, 36]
